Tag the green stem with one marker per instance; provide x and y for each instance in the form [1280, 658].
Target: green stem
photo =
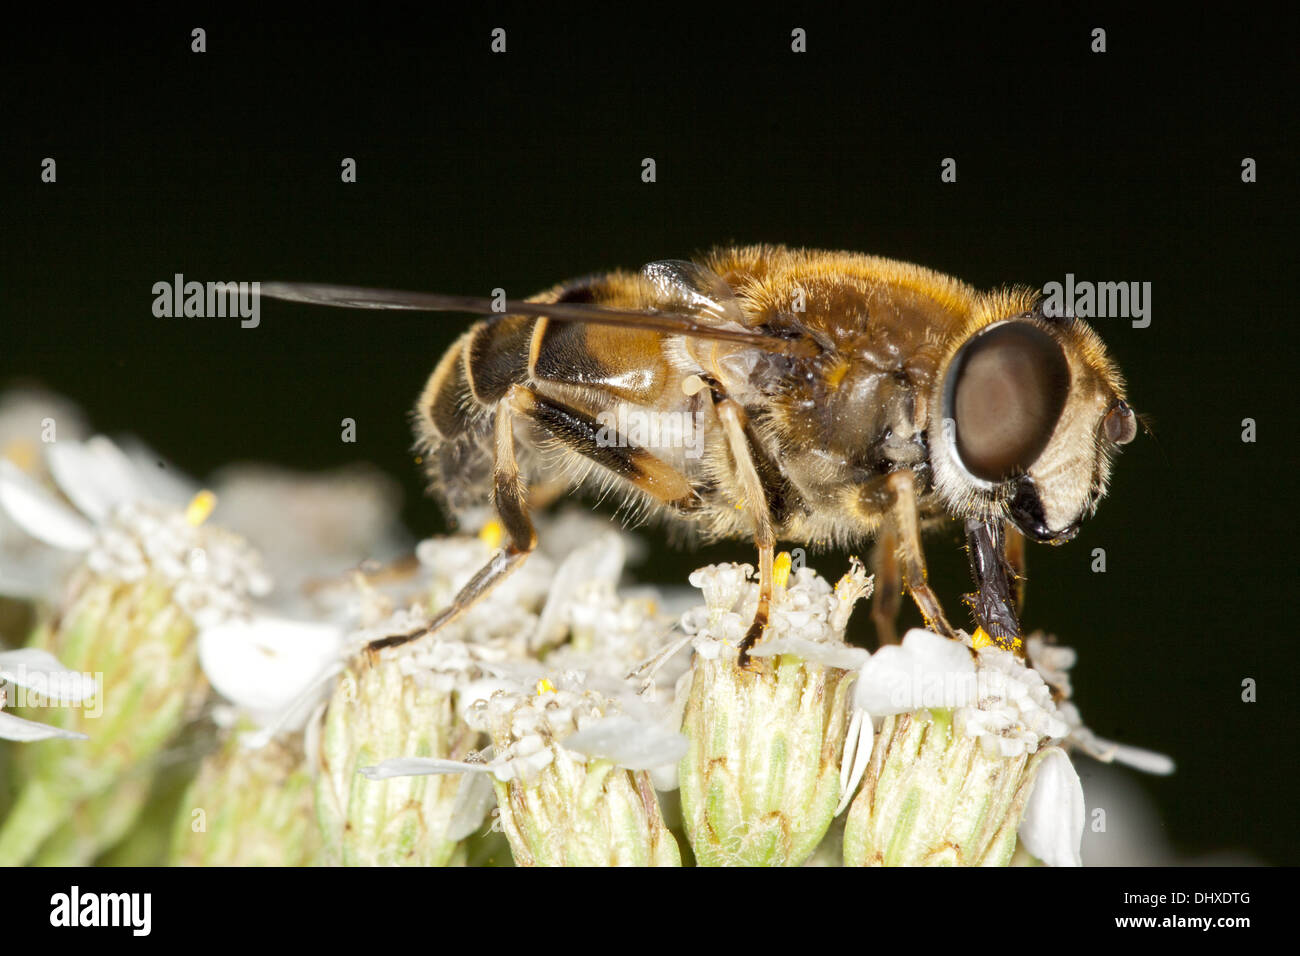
[35, 815]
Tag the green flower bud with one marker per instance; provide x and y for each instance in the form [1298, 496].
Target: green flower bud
[97, 823]
[152, 577]
[143, 644]
[248, 807]
[935, 797]
[566, 797]
[384, 709]
[761, 778]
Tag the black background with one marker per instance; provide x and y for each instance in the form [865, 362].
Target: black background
[518, 170]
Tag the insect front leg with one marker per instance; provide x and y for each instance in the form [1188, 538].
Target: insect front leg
[1015, 554]
[510, 498]
[906, 524]
[994, 601]
[888, 592]
[733, 422]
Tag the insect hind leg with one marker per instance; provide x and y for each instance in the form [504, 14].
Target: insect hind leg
[510, 498]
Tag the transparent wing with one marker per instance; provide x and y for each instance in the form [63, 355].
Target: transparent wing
[693, 303]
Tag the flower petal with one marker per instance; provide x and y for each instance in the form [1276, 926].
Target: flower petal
[419, 766]
[858, 744]
[1052, 826]
[1148, 761]
[474, 798]
[160, 479]
[15, 728]
[1108, 751]
[39, 513]
[628, 742]
[41, 671]
[95, 474]
[265, 664]
[598, 560]
[293, 716]
[826, 653]
[926, 670]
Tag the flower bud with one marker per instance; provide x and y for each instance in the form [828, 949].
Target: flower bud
[934, 797]
[572, 783]
[248, 807]
[761, 779]
[965, 764]
[384, 709]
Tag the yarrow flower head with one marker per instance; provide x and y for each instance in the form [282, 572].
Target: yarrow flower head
[573, 745]
[765, 769]
[398, 703]
[970, 761]
[572, 779]
[151, 577]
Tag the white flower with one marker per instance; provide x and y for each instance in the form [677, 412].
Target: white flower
[273, 670]
[130, 524]
[772, 744]
[564, 770]
[807, 617]
[530, 724]
[1009, 707]
[125, 533]
[310, 527]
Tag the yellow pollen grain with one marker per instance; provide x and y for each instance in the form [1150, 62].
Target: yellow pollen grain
[981, 639]
[781, 569]
[544, 686]
[200, 507]
[491, 534]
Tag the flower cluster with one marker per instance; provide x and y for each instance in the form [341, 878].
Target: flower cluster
[215, 676]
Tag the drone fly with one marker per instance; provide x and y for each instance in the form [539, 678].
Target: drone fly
[838, 397]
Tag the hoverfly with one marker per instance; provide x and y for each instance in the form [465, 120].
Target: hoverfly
[841, 397]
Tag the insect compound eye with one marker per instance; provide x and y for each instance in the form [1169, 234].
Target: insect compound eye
[1005, 392]
[1120, 423]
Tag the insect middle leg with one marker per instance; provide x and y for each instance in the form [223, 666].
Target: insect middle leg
[905, 522]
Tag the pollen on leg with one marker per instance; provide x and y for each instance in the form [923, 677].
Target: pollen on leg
[982, 639]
